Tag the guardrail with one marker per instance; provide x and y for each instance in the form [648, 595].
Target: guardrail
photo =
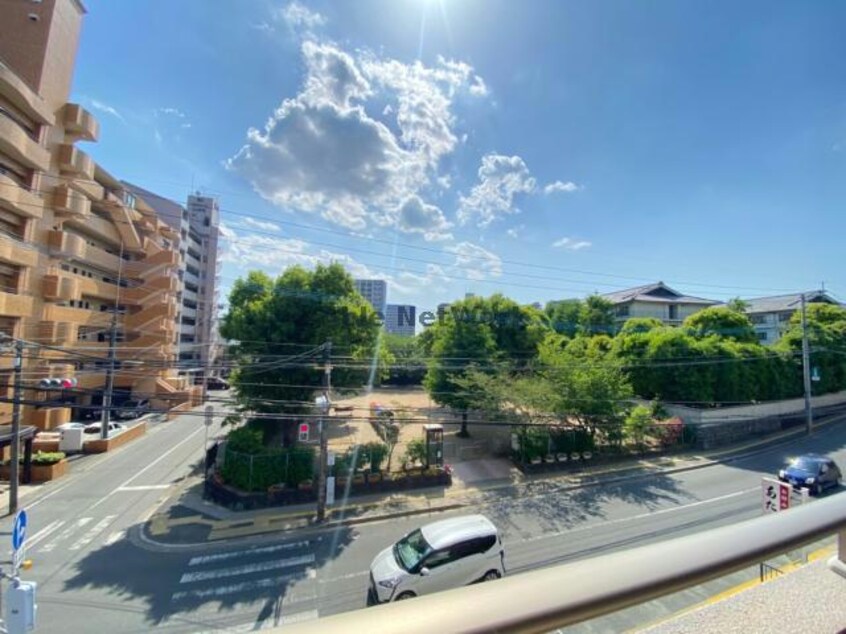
[546, 599]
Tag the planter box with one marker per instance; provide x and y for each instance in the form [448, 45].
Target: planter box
[101, 446]
[40, 473]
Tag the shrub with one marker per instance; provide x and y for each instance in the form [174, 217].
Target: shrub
[637, 423]
[415, 451]
[259, 471]
[245, 440]
[45, 458]
[376, 453]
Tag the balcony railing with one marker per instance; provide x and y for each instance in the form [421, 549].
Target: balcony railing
[80, 123]
[19, 142]
[74, 161]
[550, 598]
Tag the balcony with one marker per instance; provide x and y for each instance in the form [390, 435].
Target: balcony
[69, 202]
[97, 288]
[19, 199]
[57, 287]
[158, 285]
[79, 316]
[153, 264]
[96, 226]
[17, 252]
[56, 333]
[12, 305]
[79, 123]
[24, 97]
[18, 143]
[158, 311]
[74, 161]
[71, 246]
[124, 218]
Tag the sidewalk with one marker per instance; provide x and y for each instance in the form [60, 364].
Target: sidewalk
[187, 518]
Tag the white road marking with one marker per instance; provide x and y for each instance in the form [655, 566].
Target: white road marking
[89, 536]
[640, 516]
[126, 482]
[145, 487]
[299, 617]
[32, 541]
[351, 575]
[244, 586]
[206, 559]
[205, 575]
[80, 523]
[114, 537]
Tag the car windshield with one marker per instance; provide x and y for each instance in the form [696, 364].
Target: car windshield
[810, 465]
[411, 550]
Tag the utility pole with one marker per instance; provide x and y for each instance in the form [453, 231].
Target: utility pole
[324, 438]
[14, 467]
[106, 414]
[806, 369]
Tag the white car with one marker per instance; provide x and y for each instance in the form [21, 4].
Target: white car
[439, 556]
[94, 428]
[65, 426]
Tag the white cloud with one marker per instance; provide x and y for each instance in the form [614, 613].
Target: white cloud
[322, 152]
[416, 216]
[572, 245]
[262, 26]
[559, 186]
[185, 126]
[104, 107]
[501, 179]
[514, 232]
[173, 112]
[299, 17]
[476, 262]
[260, 224]
[478, 87]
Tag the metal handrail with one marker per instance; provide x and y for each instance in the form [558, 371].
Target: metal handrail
[546, 599]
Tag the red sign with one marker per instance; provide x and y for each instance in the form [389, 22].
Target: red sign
[776, 495]
[303, 431]
[784, 497]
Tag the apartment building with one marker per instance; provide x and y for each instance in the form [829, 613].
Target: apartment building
[79, 252]
[198, 229]
[400, 319]
[375, 292]
[770, 316]
[656, 300]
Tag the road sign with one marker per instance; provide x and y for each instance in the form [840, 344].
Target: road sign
[209, 413]
[18, 538]
[303, 432]
[775, 495]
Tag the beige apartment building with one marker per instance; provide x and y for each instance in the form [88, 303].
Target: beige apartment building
[78, 251]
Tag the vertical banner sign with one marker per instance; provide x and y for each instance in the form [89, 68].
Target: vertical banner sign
[775, 495]
[18, 539]
[330, 490]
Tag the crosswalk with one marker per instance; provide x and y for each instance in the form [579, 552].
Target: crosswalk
[72, 534]
[282, 574]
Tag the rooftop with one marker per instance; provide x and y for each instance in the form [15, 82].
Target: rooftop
[791, 301]
[657, 292]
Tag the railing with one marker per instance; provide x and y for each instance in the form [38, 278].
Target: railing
[768, 572]
[543, 600]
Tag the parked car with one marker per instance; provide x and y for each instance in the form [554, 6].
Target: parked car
[216, 383]
[65, 426]
[815, 472]
[94, 428]
[439, 556]
[132, 409]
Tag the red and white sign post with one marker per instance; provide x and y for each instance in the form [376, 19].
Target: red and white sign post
[775, 495]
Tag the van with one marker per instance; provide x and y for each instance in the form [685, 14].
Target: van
[439, 556]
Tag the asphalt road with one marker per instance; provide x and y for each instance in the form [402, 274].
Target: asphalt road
[95, 573]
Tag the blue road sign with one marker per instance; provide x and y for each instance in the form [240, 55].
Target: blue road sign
[19, 530]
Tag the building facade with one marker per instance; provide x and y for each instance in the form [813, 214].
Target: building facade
[375, 292]
[658, 301]
[400, 319]
[80, 254]
[770, 316]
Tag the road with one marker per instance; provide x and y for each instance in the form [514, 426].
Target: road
[94, 571]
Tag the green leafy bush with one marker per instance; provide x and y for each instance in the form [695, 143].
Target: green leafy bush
[45, 458]
[415, 451]
[259, 471]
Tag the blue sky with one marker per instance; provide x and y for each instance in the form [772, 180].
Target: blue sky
[539, 149]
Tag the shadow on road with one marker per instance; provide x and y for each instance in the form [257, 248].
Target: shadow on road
[209, 586]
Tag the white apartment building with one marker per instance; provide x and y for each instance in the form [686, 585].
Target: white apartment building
[770, 316]
[197, 242]
[375, 292]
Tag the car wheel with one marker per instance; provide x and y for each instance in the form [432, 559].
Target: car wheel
[491, 575]
[405, 595]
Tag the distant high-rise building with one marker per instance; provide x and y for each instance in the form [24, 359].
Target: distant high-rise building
[400, 318]
[375, 292]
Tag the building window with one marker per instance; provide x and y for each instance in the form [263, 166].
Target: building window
[762, 336]
[785, 317]
[758, 319]
[674, 312]
[622, 311]
[9, 278]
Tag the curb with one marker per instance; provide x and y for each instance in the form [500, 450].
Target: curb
[587, 481]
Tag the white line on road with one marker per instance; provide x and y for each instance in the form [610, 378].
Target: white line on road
[205, 575]
[43, 533]
[149, 466]
[80, 523]
[640, 516]
[114, 537]
[235, 588]
[145, 487]
[206, 559]
[89, 536]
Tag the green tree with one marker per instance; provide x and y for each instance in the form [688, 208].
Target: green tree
[640, 325]
[408, 366]
[737, 305]
[564, 316]
[478, 333]
[723, 322]
[637, 425]
[597, 316]
[278, 326]
[827, 343]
